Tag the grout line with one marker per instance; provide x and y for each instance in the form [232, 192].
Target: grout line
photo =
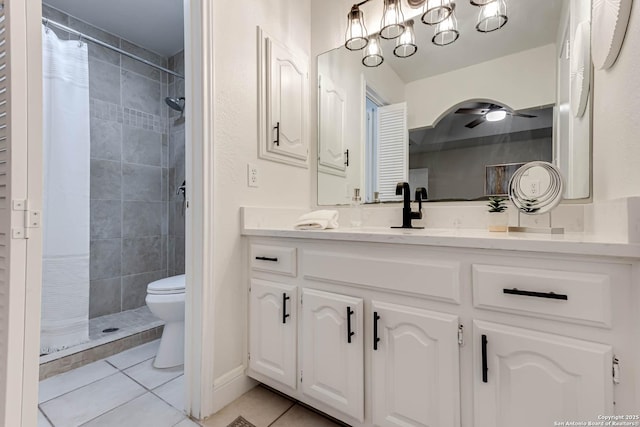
[113, 409]
[45, 416]
[282, 415]
[77, 388]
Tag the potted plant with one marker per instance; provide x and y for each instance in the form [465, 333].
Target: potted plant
[498, 217]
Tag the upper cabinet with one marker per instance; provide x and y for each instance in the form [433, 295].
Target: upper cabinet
[283, 103]
[331, 123]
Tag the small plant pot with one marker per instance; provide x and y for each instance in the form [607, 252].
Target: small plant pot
[498, 221]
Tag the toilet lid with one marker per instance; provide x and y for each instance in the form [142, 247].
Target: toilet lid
[168, 285]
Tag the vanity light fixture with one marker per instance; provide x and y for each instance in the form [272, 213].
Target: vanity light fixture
[495, 116]
[481, 2]
[492, 17]
[437, 11]
[446, 32]
[356, 37]
[406, 42]
[373, 52]
[392, 25]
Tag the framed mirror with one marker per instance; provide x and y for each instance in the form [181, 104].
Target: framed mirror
[455, 118]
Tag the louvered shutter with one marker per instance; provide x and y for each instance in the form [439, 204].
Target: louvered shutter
[393, 149]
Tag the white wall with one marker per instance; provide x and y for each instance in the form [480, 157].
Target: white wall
[520, 81]
[236, 131]
[616, 122]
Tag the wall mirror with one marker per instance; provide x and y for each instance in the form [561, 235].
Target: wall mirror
[457, 119]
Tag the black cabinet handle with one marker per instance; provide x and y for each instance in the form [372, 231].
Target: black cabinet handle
[277, 128]
[375, 330]
[549, 295]
[346, 156]
[284, 307]
[266, 258]
[349, 332]
[485, 368]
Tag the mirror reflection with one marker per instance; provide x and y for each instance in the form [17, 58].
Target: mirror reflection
[456, 119]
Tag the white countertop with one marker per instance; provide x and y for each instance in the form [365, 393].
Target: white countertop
[568, 243]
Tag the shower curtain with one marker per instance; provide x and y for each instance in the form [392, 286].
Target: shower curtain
[65, 275]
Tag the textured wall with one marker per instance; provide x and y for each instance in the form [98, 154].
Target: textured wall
[130, 131]
[616, 121]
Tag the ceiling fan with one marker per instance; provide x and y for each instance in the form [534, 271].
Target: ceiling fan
[491, 113]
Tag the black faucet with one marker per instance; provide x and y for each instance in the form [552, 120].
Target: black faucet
[407, 214]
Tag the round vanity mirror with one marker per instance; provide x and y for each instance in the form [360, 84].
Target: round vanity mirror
[536, 188]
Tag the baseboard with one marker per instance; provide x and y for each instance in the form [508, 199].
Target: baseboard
[231, 386]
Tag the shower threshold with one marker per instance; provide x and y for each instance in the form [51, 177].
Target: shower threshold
[132, 328]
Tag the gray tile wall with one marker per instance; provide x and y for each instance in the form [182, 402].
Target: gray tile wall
[137, 156]
[176, 150]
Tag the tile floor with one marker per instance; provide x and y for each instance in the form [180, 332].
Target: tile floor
[125, 390]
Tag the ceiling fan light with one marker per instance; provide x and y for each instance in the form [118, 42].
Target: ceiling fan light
[496, 115]
[437, 11]
[356, 36]
[392, 20]
[372, 56]
[446, 32]
[406, 45]
[492, 17]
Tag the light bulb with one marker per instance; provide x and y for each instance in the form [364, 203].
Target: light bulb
[493, 16]
[406, 42]
[392, 20]
[356, 36]
[495, 116]
[436, 11]
[446, 32]
[373, 53]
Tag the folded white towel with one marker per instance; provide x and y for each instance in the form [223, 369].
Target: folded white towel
[318, 220]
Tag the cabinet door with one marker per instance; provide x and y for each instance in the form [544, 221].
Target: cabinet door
[288, 113]
[273, 319]
[332, 367]
[533, 379]
[415, 379]
[331, 116]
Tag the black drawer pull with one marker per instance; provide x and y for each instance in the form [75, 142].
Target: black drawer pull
[349, 332]
[266, 258]
[485, 368]
[277, 128]
[549, 295]
[284, 307]
[376, 339]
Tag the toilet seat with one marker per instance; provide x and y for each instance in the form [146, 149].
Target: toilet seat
[167, 286]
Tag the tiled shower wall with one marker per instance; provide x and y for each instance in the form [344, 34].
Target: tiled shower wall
[134, 146]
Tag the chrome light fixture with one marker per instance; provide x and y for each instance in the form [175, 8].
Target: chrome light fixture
[406, 42]
[392, 25]
[446, 32]
[436, 11]
[492, 17]
[356, 37]
[373, 53]
[495, 116]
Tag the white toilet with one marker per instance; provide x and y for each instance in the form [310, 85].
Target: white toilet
[165, 299]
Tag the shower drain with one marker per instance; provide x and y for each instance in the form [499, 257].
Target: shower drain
[110, 330]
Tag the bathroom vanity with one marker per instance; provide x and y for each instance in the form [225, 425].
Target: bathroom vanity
[445, 327]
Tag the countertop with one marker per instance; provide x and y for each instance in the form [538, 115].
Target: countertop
[568, 243]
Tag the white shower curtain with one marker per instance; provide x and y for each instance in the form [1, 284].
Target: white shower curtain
[65, 276]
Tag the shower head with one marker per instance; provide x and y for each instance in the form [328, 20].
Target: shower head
[175, 103]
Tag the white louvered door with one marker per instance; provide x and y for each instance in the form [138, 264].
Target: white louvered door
[393, 150]
[20, 200]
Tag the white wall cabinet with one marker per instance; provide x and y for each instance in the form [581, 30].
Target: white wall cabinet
[532, 379]
[283, 101]
[273, 325]
[332, 351]
[415, 367]
[331, 127]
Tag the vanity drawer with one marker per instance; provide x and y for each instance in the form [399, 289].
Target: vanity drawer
[274, 259]
[564, 295]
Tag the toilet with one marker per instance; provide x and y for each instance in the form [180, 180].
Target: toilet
[165, 299]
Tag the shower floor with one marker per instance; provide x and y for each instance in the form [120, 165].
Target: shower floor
[134, 327]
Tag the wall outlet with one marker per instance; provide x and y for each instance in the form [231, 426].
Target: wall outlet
[252, 175]
[534, 187]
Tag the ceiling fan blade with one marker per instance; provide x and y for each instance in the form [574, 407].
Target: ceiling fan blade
[471, 111]
[475, 123]
[528, 116]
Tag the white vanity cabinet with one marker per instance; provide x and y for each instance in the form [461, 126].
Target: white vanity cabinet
[554, 327]
[415, 367]
[332, 350]
[531, 379]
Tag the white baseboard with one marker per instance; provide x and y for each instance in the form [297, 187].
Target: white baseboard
[230, 386]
